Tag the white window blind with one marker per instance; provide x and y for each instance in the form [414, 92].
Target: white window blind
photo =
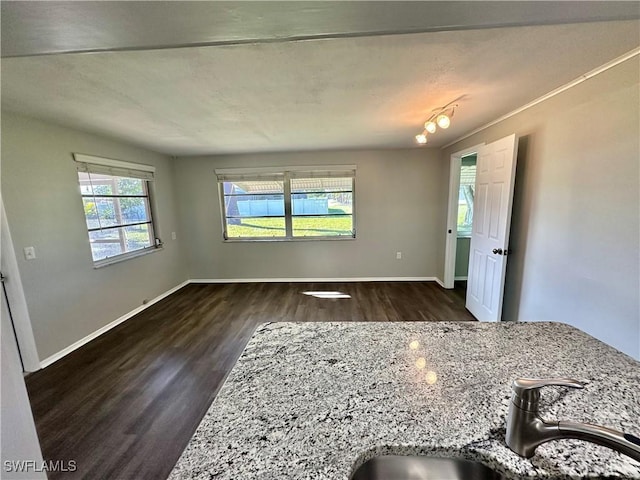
[116, 168]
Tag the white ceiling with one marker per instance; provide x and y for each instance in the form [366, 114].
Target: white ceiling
[323, 93]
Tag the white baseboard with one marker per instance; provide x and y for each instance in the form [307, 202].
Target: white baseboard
[439, 282]
[57, 356]
[314, 280]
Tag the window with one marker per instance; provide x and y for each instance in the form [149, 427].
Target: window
[117, 207]
[286, 205]
[466, 196]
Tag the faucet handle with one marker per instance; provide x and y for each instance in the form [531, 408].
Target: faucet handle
[526, 391]
[522, 384]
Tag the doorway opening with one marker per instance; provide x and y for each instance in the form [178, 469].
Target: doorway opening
[13, 297]
[491, 219]
[464, 220]
[462, 178]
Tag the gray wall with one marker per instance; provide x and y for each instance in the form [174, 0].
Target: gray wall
[67, 298]
[398, 202]
[462, 257]
[576, 221]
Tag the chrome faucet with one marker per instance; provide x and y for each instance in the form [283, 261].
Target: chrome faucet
[526, 430]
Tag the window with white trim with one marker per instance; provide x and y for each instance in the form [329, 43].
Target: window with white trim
[117, 202]
[288, 204]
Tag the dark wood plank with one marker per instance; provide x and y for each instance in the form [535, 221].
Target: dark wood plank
[125, 405]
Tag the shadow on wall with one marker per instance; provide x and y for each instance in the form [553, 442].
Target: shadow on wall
[520, 221]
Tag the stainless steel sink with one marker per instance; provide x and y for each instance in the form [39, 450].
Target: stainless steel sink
[398, 467]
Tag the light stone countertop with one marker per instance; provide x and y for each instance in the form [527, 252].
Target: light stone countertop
[315, 400]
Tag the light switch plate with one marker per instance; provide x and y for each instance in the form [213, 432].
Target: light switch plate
[29, 253]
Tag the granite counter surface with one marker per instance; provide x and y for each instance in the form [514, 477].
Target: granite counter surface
[315, 400]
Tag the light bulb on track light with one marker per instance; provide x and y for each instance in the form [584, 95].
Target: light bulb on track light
[430, 126]
[421, 139]
[443, 121]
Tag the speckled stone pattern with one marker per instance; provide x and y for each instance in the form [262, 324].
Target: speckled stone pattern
[316, 400]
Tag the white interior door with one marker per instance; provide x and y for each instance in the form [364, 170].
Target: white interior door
[495, 175]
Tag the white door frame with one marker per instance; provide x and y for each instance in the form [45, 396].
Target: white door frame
[17, 418]
[452, 213]
[17, 300]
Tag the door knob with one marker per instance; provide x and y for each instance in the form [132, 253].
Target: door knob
[497, 251]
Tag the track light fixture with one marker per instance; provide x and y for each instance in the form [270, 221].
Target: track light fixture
[440, 117]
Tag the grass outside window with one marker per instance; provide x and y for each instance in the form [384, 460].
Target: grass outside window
[288, 206]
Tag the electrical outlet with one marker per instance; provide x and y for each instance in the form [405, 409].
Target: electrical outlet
[173, 235]
[29, 253]
[398, 255]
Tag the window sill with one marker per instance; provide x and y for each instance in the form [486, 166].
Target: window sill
[297, 239]
[464, 235]
[125, 256]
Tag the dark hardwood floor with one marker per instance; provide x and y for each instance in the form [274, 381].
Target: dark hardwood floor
[460, 289]
[125, 405]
